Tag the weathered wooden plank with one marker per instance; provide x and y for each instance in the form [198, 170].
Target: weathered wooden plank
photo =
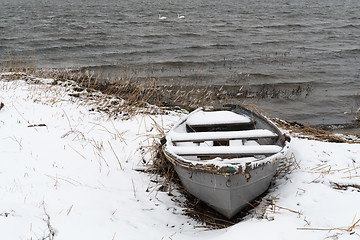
[217, 118]
[222, 136]
[227, 150]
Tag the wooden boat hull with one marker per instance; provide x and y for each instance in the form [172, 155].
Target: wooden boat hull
[227, 194]
[227, 189]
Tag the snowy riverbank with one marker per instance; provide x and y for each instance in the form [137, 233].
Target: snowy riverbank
[69, 170]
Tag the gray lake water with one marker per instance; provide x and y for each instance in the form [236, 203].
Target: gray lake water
[279, 44]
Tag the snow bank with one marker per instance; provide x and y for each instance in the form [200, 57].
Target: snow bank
[71, 171]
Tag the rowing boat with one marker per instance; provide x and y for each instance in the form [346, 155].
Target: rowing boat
[226, 157]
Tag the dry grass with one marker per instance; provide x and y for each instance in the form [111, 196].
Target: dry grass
[138, 89]
[119, 98]
[339, 230]
[303, 131]
[127, 94]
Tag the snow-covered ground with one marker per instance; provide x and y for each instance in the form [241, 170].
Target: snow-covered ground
[67, 170]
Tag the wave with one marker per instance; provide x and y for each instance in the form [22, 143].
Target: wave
[348, 26]
[72, 48]
[210, 46]
[354, 51]
[283, 26]
[275, 42]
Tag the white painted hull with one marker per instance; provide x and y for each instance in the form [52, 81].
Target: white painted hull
[230, 188]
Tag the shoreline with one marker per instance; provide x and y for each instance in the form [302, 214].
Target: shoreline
[188, 97]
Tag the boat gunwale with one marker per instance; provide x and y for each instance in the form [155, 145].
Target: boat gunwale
[227, 169]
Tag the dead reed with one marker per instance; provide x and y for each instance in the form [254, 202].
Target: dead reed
[135, 90]
[303, 131]
[339, 230]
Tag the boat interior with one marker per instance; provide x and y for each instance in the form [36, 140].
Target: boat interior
[224, 134]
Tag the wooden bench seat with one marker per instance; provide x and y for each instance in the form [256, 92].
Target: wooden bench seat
[228, 151]
[217, 118]
[222, 136]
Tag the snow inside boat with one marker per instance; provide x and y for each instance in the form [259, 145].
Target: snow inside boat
[225, 157]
